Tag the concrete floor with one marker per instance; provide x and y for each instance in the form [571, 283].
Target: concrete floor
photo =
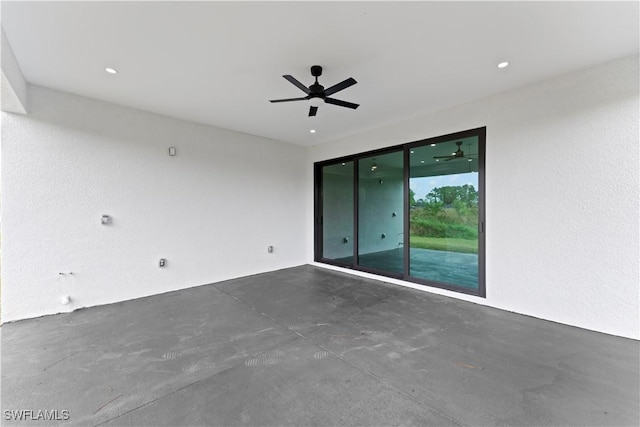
[307, 346]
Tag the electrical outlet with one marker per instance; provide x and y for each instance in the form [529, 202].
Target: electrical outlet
[270, 249]
[163, 262]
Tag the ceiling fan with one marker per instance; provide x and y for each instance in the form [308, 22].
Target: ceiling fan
[317, 94]
[459, 154]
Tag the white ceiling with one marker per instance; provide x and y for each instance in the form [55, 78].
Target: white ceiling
[219, 63]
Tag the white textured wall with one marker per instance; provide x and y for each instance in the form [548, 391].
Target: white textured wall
[562, 194]
[210, 211]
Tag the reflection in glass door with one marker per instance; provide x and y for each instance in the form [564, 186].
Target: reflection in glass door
[380, 212]
[337, 212]
[443, 212]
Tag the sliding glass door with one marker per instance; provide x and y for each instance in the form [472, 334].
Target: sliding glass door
[414, 211]
[380, 208]
[337, 212]
[443, 212]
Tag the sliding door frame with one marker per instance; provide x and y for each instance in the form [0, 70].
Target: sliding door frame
[406, 148]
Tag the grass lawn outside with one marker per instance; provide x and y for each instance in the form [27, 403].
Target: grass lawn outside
[444, 244]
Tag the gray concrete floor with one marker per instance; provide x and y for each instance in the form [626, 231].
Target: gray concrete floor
[307, 346]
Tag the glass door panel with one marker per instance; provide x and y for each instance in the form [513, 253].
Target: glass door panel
[443, 212]
[337, 212]
[380, 212]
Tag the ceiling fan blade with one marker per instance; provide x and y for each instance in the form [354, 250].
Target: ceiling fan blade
[312, 111]
[341, 103]
[297, 83]
[288, 99]
[340, 86]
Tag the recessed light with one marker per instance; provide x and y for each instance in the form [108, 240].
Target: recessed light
[312, 131]
[411, 151]
[421, 161]
[343, 164]
[111, 70]
[433, 145]
[437, 160]
[469, 159]
[503, 64]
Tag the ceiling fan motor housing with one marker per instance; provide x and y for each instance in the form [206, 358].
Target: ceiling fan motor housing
[316, 90]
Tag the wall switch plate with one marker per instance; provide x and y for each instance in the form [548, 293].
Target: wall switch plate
[163, 262]
[106, 219]
[172, 151]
